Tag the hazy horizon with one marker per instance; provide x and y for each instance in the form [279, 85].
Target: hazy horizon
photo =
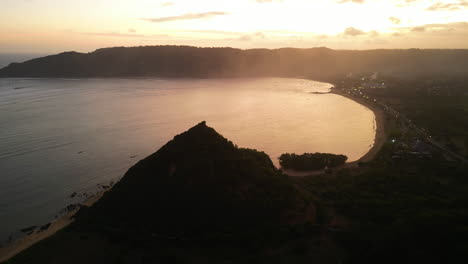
[47, 26]
[18, 57]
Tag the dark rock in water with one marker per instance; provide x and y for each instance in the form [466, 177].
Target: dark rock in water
[29, 230]
[72, 207]
[44, 227]
[73, 195]
[197, 183]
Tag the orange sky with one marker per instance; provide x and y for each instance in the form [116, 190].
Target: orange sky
[50, 26]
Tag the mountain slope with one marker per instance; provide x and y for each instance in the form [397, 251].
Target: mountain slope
[198, 199]
[197, 182]
[183, 61]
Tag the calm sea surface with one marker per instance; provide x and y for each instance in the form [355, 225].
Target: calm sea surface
[59, 136]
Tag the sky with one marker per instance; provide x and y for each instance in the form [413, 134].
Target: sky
[51, 26]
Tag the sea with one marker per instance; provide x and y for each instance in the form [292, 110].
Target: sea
[64, 136]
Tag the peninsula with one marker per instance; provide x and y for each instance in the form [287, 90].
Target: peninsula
[185, 61]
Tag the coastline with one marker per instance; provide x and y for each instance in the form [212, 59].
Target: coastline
[9, 251]
[379, 140]
[380, 134]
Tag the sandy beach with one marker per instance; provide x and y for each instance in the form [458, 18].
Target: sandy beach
[380, 137]
[21, 244]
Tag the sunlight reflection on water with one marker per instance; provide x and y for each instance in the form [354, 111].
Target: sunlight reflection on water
[61, 135]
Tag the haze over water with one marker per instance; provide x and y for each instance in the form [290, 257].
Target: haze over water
[59, 136]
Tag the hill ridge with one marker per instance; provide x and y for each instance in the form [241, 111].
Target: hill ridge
[185, 61]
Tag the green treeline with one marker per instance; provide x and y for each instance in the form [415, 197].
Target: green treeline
[311, 161]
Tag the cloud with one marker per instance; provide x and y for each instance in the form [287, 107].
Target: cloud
[245, 38]
[373, 33]
[167, 4]
[117, 34]
[448, 28]
[354, 32]
[111, 34]
[132, 30]
[457, 27]
[250, 37]
[418, 29]
[352, 1]
[440, 6]
[377, 41]
[267, 1]
[351, 31]
[188, 16]
[405, 3]
[394, 20]
[215, 32]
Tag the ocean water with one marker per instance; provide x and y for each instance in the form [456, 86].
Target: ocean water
[59, 136]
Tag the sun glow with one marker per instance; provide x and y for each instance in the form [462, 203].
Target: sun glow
[87, 24]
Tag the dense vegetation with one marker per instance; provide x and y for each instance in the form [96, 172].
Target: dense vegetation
[183, 61]
[442, 115]
[407, 208]
[411, 211]
[311, 161]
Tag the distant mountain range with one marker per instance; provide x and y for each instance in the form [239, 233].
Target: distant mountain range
[185, 61]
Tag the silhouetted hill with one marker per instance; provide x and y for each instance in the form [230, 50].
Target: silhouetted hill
[198, 199]
[196, 184]
[184, 61]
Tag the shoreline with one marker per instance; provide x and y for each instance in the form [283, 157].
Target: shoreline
[379, 140]
[10, 250]
[380, 135]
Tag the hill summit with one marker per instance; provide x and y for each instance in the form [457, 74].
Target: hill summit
[198, 183]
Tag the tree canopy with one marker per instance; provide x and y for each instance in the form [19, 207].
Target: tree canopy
[311, 161]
